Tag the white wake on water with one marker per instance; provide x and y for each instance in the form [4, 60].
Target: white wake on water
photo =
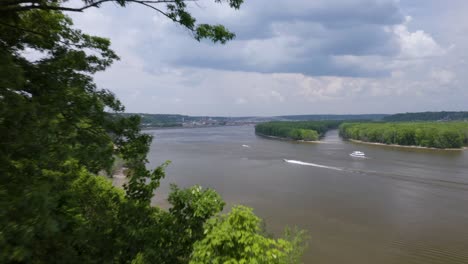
[311, 164]
[246, 146]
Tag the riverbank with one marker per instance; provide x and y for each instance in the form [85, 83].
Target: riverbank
[403, 146]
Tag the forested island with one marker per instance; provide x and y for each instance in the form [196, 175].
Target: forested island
[302, 130]
[440, 135]
[424, 134]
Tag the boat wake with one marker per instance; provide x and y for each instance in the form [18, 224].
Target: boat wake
[312, 164]
[403, 177]
[246, 146]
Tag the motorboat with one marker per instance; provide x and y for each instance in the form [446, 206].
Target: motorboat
[358, 154]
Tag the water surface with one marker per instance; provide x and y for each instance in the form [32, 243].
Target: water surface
[398, 206]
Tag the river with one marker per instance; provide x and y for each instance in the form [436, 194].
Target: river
[397, 206]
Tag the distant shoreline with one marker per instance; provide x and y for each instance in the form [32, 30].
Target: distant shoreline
[187, 127]
[403, 146]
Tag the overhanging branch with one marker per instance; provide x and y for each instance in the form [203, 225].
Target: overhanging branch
[25, 5]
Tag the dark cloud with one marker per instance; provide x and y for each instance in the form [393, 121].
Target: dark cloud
[295, 36]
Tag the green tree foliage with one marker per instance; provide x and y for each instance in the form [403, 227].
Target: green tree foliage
[425, 134]
[190, 209]
[301, 130]
[52, 122]
[58, 130]
[236, 238]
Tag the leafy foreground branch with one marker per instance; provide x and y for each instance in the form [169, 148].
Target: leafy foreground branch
[175, 10]
[57, 133]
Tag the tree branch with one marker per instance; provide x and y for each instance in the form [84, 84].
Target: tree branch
[16, 2]
[13, 5]
[39, 34]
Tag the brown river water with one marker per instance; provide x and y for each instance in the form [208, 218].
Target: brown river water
[398, 205]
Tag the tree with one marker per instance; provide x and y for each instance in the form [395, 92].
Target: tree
[237, 238]
[52, 123]
[58, 130]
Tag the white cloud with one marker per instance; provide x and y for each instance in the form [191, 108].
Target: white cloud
[416, 45]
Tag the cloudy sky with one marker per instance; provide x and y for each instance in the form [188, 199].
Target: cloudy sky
[290, 57]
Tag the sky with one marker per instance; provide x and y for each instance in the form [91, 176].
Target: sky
[289, 57]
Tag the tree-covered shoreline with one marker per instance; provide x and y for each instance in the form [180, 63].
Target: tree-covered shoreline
[440, 135]
[299, 130]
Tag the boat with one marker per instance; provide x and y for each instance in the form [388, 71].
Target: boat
[358, 154]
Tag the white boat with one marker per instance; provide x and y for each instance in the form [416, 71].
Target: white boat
[358, 154]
